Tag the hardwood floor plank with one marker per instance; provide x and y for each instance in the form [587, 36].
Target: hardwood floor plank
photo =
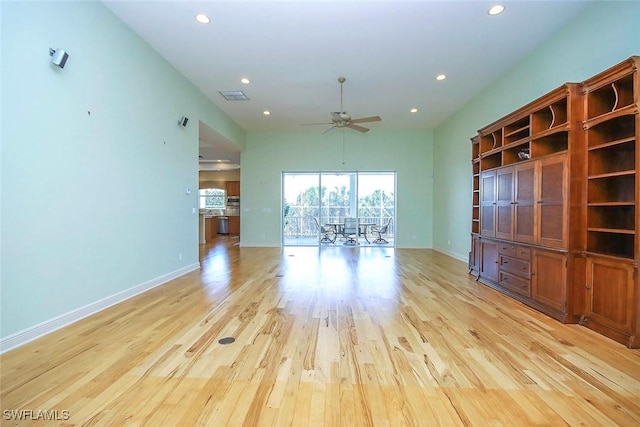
[323, 336]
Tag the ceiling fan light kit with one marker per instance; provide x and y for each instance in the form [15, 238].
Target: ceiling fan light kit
[341, 119]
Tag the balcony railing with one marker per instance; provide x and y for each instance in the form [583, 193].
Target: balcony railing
[304, 227]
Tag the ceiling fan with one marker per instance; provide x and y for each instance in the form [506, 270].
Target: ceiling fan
[340, 119]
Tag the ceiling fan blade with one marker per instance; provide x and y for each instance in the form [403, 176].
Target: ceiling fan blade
[367, 119]
[358, 128]
[331, 129]
[313, 124]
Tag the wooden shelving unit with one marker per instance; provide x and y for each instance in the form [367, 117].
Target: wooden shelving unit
[522, 170]
[611, 133]
[475, 190]
[555, 193]
[612, 128]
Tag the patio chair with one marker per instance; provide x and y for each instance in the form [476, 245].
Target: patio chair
[328, 233]
[350, 231]
[379, 231]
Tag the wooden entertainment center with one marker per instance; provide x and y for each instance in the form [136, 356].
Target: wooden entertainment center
[555, 216]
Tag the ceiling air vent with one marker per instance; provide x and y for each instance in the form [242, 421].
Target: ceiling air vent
[234, 95]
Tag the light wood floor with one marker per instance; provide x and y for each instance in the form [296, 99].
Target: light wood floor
[324, 337]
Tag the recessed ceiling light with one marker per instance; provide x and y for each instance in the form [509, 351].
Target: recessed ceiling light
[496, 10]
[202, 18]
[413, 110]
[266, 112]
[441, 77]
[245, 81]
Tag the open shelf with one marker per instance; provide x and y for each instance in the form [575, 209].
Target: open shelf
[492, 161]
[610, 97]
[491, 141]
[612, 158]
[549, 117]
[475, 148]
[620, 188]
[618, 128]
[512, 154]
[550, 144]
[517, 130]
[620, 218]
[607, 243]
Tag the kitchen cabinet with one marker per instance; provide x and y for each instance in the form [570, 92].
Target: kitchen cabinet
[233, 188]
[211, 228]
[234, 225]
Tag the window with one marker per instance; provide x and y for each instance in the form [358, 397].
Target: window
[212, 198]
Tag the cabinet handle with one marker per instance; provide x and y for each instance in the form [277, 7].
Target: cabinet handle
[588, 288]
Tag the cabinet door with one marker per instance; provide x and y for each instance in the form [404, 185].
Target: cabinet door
[488, 203]
[210, 228]
[489, 260]
[234, 225]
[524, 198]
[552, 208]
[610, 296]
[549, 279]
[474, 256]
[233, 188]
[504, 203]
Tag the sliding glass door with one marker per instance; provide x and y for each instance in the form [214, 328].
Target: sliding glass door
[377, 202]
[312, 200]
[301, 204]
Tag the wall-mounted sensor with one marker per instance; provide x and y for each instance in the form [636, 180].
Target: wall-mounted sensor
[183, 121]
[58, 57]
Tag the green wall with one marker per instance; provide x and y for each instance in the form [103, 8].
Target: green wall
[94, 165]
[267, 155]
[602, 36]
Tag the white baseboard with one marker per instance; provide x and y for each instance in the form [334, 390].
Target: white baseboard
[464, 259]
[22, 337]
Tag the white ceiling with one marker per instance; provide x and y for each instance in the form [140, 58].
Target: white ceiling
[389, 51]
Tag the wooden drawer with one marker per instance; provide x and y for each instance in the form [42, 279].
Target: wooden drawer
[523, 252]
[511, 249]
[506, 248]
[515, 266]
[515, 283]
